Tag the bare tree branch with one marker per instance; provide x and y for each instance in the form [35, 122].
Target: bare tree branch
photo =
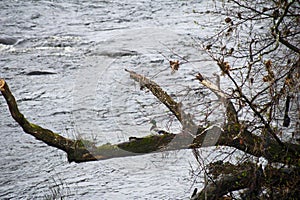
[176, 108]
[230, 109]
[84, 150]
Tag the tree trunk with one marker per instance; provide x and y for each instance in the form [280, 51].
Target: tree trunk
[84, 150]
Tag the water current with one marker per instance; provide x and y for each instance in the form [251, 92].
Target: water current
[86, 45]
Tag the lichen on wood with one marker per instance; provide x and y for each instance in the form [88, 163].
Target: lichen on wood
[83, 150]
[184, 118]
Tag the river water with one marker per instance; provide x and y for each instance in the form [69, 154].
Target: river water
[86, 45]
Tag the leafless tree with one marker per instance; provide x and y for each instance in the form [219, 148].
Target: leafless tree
[257, 52]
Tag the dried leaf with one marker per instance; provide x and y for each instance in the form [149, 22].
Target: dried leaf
[208, 47]
[266, 79]
[174, 65]
[225, 67]
[227, 20]
[288, 81]
[268, 64]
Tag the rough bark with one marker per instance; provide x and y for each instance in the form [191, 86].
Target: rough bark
[83, 150]
[176, 108]
[225, 99]
[247, 176]
[45, 135]
[236, 178]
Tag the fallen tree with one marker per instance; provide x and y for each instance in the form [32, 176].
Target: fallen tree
[263, 69]
[84, 150]
[231, 135]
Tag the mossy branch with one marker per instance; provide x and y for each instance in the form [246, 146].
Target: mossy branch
[176, 108]
[83, 150]
[45, 135]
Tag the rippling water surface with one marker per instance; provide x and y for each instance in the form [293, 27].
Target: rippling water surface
[87, 45]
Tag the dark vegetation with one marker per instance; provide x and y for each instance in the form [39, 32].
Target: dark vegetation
[257, 52]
